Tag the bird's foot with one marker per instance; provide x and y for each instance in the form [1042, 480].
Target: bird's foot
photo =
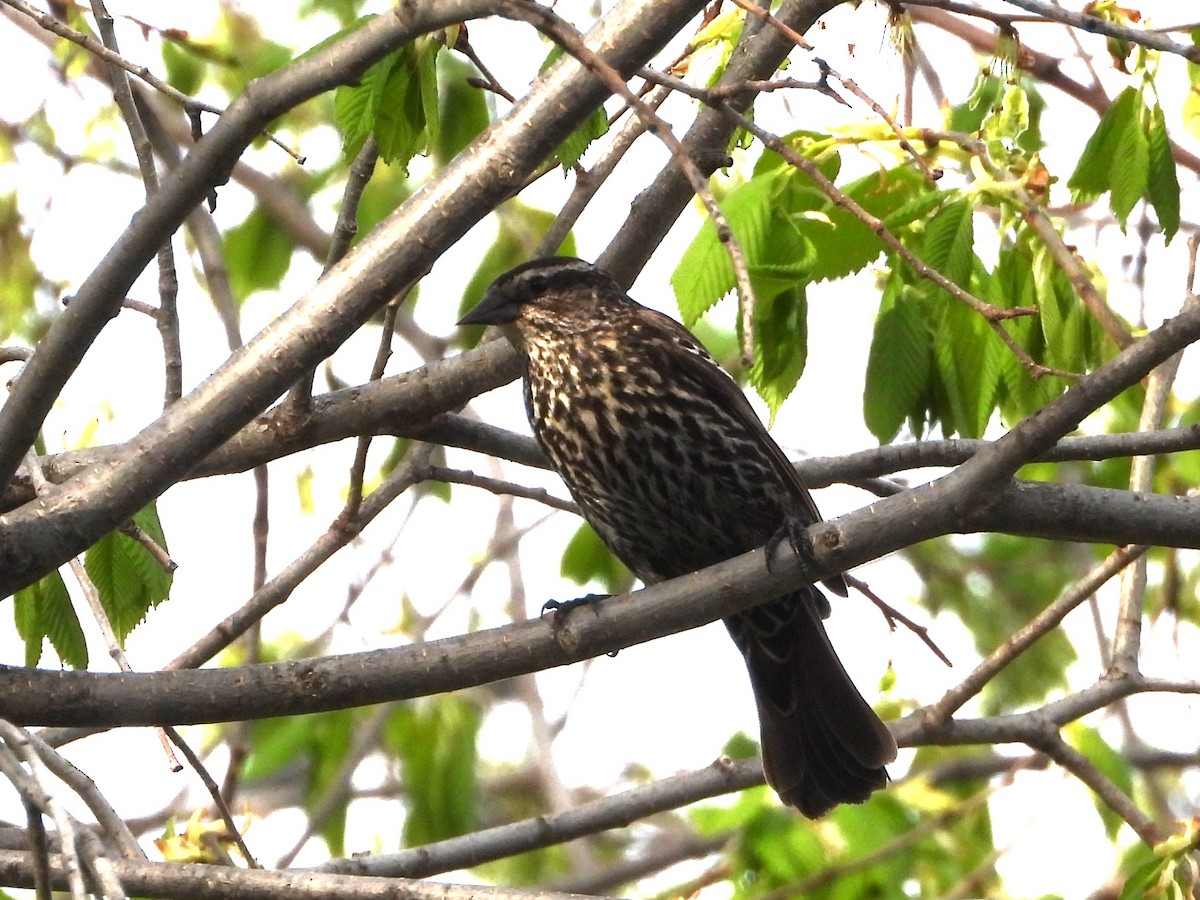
[562, 607]
[795, 532]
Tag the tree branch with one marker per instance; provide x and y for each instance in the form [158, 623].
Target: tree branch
[75, 516]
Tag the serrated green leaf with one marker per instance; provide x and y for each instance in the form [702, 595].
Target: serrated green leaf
[845, 244]
[819, 147]
[1093, 173]
[403, 96]
[1162, 183]
[571, 150]
[705, 274]
[1051, 315]
[918, 207]
[128, 579]
[966, 352]
[427, 78]
[949, 243]
[1131, 170]
[780, 344]
[44, 611]
[898, 368]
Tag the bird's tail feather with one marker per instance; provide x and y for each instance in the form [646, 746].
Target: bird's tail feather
[822, 744]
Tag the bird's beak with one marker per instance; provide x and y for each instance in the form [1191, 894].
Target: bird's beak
[494, 309]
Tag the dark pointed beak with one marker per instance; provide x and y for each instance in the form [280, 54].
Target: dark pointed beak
[494, 309]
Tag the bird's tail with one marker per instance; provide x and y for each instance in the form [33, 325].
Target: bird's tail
[822, 744]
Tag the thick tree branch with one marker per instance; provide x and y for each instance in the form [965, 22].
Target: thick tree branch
[34, 696]
[176, 881]
[722, 777]
[79, 513]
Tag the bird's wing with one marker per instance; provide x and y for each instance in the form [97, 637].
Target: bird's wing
[698, 365]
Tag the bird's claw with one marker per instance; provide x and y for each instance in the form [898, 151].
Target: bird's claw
[562, 607]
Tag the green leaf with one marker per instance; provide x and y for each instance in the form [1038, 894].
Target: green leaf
[316, 745]
[403, 104]
[1163, 183]
[898, 367]
[586, 560]
[780, 344]
[129, 580]
[396, 101]
[462, 109]
[1131, 169]
[705, 274]
[571, 150]
[845, 244]
[521, 230]
[43, 610]
[18, 274]
[1109, 763]
[185, 70]
[819, 147]
[965, 353]
[1093, 173]
[435, 743]
[950, 242]
[258, 254]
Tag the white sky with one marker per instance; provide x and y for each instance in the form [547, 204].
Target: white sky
[670, 705]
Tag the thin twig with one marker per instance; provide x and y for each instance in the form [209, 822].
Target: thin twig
[299, 399]
[79, 782]
[382, 355]
[893, 615]
[993, 315]
[91, 45]
[1064, 256]
[214, 792]
[1127, 639]
[166, 317]
[587, 183]
[1152, 39]
[1052, 744]
[34, 794]
[562, 33]
[1024, 638]
[791, 34]
[498, 487]
[134, 531]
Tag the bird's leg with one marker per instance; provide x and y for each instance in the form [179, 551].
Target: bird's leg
[795, 532]
[562, 607]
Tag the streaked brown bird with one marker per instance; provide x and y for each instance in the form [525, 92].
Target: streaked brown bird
[669, 463]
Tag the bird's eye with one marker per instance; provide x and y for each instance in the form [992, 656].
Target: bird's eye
[537, 284]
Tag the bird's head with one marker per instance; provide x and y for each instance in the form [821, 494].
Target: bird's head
[554, 296]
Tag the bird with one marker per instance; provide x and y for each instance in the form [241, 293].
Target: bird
[674, 470]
